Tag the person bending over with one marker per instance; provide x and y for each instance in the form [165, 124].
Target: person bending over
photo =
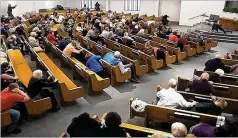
[72, 51]
[114, 59]
[36, 88]
[216, 63]
[93, 63]
[216, 27]
[170, 98]
[9, 97]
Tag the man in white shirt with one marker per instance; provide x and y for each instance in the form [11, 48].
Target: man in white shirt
[170, 98]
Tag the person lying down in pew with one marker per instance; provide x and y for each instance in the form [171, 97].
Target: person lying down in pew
[114, 59]
[170, 98]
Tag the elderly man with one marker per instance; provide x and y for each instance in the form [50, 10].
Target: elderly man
[216, 63]
[202, 85]
[32, 40]
[13, 43]
[115, 59]
[170, 98]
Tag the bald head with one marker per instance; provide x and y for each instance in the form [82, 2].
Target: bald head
[218, 56]
[205, 76]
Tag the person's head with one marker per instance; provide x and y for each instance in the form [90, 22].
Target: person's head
[113, 119]
[137, 26]
[33, 34]
[147, 44]
[80, 25]
[13, 87]
[221, 103]
[38, 74]
[178, 129]
[220, 72]
[141, 31]
[68, 39]
[14, 36]
[126, 34]
[74, 43]
[9, 5]
[107, 29]
[172, 83]
[174, 33]
[4, 66]
[55, 13]
[205, 76]
[117, 54]
[218, 56]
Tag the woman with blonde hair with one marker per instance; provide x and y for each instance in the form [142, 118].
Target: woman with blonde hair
[36, 91]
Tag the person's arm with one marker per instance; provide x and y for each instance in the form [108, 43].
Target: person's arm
[183, 103]
[44, 83]
[8, 77]
[14, 7]
[26, 97]
[21, 96]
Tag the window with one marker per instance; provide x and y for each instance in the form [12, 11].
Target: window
[231, 4]
[132, 5]
[89, 3]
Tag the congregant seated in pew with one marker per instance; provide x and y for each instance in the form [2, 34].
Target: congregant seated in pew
[85, 126]
[10, 97]
[36, 88]
[52, 37]
[32, 40]
[170, 98]
[155, 51]
[201, 85]
[115, 59]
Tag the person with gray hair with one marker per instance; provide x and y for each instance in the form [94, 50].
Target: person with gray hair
[170, 98]
[36, 91]
[202, 84]
[32, 40]
[178, 129]
[216, 63]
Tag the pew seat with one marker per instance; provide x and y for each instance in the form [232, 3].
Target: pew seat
[23, 71]
[5, 119]
[69, 91]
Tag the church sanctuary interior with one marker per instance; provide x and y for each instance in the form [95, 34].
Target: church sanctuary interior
[119, 68]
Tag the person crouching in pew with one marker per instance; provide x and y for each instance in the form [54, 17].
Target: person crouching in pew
[170, 98]
[93, 63]
[36, 91]
[85, 126]
[7, 75]
[114, 59]
[216, 63]
[155, 51]
[72, 51]
[226, 127]
[64, 42]
[10, 97]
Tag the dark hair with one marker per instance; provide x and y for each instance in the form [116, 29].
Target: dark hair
[112, 119]
[13, 86]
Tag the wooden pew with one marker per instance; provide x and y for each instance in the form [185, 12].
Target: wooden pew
[95, 82]
[221, 90]
[170, 57]
[226, 78]
[116, 75]
[18, 63]
[69, 91]
[136, 55]
[177, 51]
[140, 69]
[171, 115]
[231, 107]
[138, 131]
[229, 62]
[5, 119]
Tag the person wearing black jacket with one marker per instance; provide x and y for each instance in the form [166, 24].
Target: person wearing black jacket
[213, 107]
[84, 126]
[36, 91]
[112, 126]
[216, 63]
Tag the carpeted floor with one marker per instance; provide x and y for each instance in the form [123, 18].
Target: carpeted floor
[114, 98]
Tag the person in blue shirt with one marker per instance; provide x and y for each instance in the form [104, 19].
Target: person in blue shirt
[3, 29]
[64, 42]
[94, 65]
[114, 59]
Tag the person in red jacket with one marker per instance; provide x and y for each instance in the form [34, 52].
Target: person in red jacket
[51, 37]
[9, 97]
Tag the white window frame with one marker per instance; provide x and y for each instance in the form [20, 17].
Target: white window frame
[132, 5]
